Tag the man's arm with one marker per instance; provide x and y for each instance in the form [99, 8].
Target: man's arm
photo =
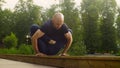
[68, 44]
[34, 38]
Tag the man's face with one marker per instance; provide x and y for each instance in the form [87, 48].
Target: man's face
[58, 20]
[58, 23]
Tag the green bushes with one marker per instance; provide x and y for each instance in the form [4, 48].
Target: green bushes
[9, 51]
[10, 41]
[23, 49]
[78, 48]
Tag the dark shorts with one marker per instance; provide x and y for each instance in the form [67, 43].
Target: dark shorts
[49, 49]
[43, 44]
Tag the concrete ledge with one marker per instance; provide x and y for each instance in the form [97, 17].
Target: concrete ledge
[69, 61]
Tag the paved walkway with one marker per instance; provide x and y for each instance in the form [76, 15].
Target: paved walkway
[15, 64]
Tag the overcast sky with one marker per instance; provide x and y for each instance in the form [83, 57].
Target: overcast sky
[45, 3]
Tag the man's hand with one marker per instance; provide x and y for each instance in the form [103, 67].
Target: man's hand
[40, 54]
[52, 42]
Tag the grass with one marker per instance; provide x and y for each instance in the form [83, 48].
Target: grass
[23, 49]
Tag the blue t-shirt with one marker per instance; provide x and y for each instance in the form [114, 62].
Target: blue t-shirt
[56, 34]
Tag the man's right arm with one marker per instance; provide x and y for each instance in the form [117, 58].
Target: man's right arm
[34, 38]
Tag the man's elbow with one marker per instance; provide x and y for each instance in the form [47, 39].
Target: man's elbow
[70, 39]
[33, 38]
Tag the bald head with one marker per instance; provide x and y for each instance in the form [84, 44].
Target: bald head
[58, 16]
[58, 20]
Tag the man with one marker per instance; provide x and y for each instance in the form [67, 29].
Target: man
[50, 38]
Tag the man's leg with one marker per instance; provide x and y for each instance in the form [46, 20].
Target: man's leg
[42, 46]
[34, 28]
[54, 49]
[42, 42]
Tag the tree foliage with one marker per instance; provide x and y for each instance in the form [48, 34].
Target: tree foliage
[48, 13]
[72, 19]
[6, 23]
[108, 32]
[118, 30]
[26, 13]
[90, 16]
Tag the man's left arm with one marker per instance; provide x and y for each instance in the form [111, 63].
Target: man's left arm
[68, 36]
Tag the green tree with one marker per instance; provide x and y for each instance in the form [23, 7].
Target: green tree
[90, 16]
[108, 36]
[1, 2]
[118, 27]
[48, 13]
[26, 14]
[6, 23]
[72, 19]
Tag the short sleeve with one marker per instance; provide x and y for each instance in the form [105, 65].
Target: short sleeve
[65, 28]
[43, 28]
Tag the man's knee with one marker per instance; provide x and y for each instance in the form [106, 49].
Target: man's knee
[33, 29]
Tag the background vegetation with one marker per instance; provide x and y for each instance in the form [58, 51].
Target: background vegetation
[95, 25]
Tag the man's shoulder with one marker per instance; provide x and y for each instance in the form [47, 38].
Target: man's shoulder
[64, 26]
[46, 27]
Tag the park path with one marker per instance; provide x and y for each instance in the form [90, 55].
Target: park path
[15, 64]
